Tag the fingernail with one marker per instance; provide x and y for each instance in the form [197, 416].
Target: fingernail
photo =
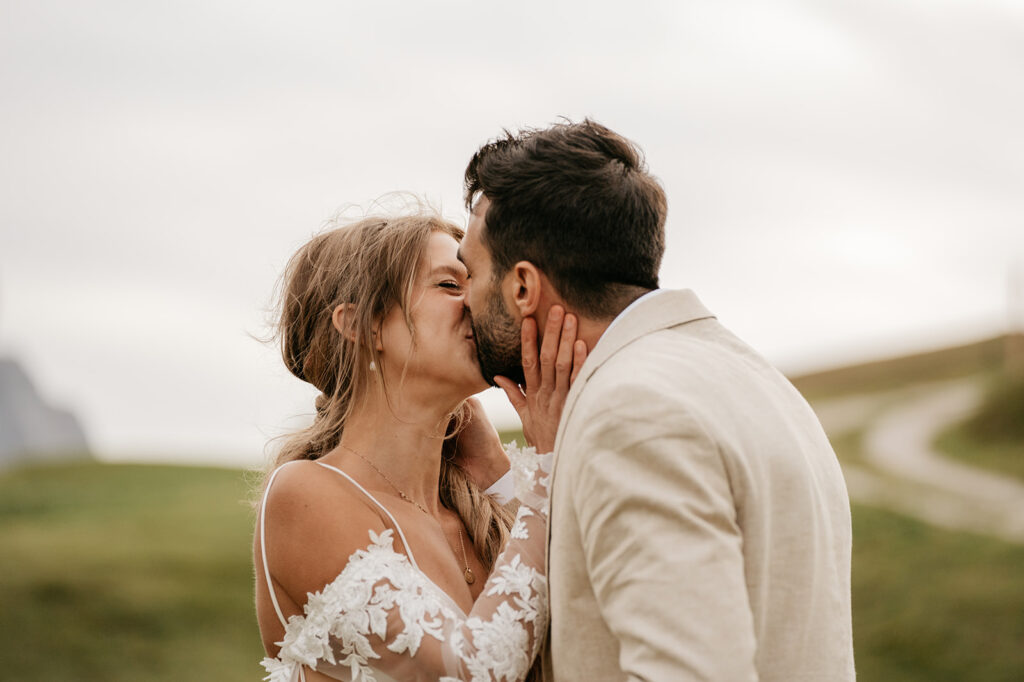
[570, 322]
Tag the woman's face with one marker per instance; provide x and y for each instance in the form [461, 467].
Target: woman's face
[443, 361]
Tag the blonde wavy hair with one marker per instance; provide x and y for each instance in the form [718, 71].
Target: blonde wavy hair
[371, 263]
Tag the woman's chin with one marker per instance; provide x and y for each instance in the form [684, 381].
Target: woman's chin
[479, 385]
[470, 383]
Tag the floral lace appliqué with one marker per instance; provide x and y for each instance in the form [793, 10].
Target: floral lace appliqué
[383, 616]
[519, 531]
[531, 474]
[355, 605]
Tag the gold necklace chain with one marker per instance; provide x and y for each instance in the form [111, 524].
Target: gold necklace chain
[467, 574]
[389, 481]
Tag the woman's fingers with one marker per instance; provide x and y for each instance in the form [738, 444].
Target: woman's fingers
[549, 348]
[531, 369]
[560, 357]
[548, 372]
[579, 356]
[564, 359]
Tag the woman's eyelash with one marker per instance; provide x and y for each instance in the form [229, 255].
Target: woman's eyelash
[450, 285]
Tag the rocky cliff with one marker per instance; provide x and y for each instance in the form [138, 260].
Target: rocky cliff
[30, 428]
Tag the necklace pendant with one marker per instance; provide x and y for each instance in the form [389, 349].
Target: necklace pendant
[468, 575]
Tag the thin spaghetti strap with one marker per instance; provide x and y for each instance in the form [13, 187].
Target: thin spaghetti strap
[366, 492]
[263, 547]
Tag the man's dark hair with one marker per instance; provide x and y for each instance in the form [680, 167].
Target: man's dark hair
[575, 200]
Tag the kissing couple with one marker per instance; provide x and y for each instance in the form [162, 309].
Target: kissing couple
[678, 514]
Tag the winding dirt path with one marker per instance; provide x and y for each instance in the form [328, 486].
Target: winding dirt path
[910, 476]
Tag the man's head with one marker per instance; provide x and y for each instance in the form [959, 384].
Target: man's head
[567, 214]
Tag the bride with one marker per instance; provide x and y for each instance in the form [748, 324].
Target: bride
[378, 556]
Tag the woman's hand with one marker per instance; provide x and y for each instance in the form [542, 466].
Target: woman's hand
[548, 376]
[478, 449]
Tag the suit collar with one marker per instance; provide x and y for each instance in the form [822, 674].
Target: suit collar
[668, 309]
[653, 312]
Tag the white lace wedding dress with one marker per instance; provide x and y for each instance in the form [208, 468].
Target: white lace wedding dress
[383, 619]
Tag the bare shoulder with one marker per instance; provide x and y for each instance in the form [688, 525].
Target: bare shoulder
[304, 491]
[315, 521]
[311, 509]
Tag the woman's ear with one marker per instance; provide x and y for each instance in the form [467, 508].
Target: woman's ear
[525, 281]
[344, 320]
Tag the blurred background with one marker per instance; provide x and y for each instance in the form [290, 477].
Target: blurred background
[846, 193]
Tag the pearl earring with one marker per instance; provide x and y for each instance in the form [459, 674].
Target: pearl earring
[373, 366]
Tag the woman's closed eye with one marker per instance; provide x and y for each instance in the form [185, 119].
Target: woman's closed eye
[451, 285]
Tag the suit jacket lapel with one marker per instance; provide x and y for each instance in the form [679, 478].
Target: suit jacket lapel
[667, 309]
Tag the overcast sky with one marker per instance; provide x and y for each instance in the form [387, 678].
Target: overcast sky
[845, 180]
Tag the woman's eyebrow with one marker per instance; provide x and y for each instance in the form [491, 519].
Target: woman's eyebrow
[449, 269]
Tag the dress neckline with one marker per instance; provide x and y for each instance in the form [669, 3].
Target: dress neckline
[401, 534]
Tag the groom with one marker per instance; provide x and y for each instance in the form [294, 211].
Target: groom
[700, 525]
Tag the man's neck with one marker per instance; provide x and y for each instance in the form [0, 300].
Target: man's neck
[590, 330]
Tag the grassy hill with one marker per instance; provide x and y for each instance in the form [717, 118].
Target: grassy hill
[981, 357]
[115, 572]
[993, 438]
[931, 604]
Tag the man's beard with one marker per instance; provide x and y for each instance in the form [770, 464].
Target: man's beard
[499, 343]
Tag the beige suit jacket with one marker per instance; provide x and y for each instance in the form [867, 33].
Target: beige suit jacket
[700, 525]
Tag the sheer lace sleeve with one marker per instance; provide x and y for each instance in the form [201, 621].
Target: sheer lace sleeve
[383, 619]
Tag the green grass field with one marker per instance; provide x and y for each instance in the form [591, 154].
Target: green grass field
[931, 605]
[126, 573]
[117, 572]
[1005, 457]
[994, 436]
[114, 572]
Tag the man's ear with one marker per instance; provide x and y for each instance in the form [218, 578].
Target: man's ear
[525, 282]
[344, 319]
